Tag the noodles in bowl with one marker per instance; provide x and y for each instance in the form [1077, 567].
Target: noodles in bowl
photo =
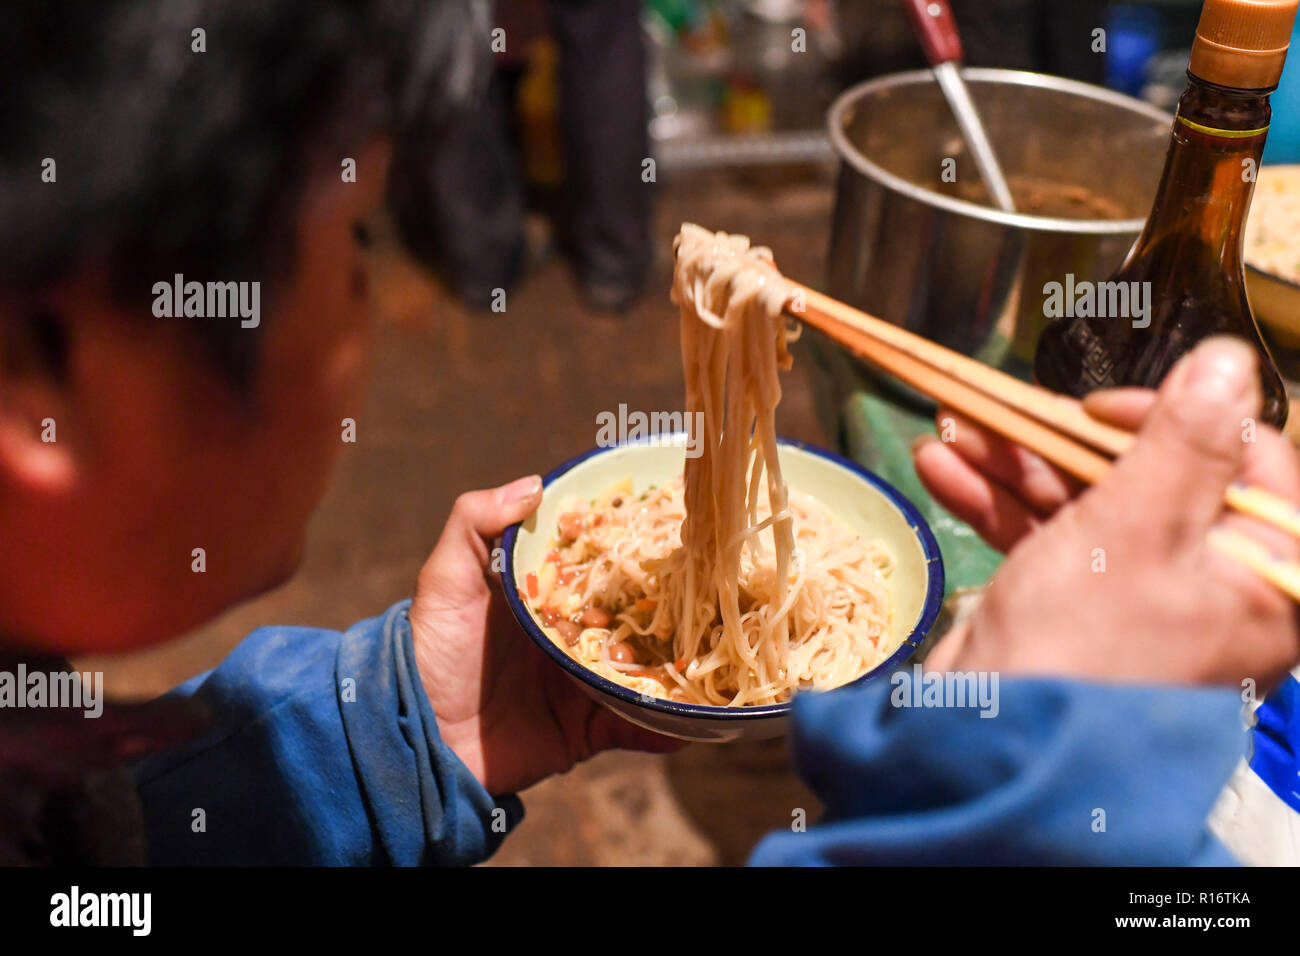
[719, 587]
[613, 587]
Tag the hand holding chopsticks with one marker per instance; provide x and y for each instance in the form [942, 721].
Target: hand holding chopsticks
[1128, 580]
[1055, 427]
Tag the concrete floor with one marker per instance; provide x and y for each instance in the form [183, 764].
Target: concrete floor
[463, 400]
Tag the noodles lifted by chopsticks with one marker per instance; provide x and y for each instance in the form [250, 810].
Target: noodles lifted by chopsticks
[722, 587]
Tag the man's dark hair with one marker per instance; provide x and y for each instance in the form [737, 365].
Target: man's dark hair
[170, 160]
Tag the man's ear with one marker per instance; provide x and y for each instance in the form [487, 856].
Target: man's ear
[37, 442]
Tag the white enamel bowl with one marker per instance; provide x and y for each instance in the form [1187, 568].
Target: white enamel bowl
[862, 501]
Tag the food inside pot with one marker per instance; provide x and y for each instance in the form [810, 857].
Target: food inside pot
[1041, 197]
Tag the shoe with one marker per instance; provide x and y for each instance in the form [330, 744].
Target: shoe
[605, 295]
[479, 287]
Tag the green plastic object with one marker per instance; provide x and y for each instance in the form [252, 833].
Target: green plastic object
[877, 431]
[678, 14]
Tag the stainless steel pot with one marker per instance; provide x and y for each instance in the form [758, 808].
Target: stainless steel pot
[964, 274]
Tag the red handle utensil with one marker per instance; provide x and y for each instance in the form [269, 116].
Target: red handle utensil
[936, 29]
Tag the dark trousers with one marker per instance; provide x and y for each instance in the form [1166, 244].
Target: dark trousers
[1049, 35]
[460, 194]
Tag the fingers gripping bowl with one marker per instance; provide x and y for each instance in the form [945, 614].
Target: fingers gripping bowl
[862, 503]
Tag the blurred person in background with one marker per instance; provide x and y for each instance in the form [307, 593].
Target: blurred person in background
[1045, 36]
[459, 193]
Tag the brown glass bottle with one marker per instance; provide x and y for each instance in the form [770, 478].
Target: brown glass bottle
[1191, 254]
[1190, 250]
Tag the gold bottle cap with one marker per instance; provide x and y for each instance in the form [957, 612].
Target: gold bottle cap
[1243, 43]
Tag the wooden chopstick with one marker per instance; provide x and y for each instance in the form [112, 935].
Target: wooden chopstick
[1283, 575]
[1265, 506]
[1009, 421]
[1062, 413]
[1054, 426]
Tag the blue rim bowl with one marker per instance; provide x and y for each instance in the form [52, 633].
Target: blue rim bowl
[709, 722]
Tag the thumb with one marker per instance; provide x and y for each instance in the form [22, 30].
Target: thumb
[459, 559]
[1191, 446]
[487, 513]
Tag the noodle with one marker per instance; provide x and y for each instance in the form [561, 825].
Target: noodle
[722, 586]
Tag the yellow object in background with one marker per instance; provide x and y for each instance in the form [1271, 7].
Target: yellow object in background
[748, 108]
[539, 115]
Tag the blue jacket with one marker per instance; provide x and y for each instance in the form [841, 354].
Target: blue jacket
[324, 750]
[1066, 773]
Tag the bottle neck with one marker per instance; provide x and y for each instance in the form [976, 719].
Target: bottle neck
[1210, 171]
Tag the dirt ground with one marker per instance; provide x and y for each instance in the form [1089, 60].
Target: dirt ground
[463, 399]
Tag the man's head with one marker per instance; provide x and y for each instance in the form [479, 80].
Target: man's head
[155, 138]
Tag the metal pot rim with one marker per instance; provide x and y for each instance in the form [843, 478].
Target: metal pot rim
[851, 155]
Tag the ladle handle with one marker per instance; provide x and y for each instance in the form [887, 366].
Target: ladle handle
[936, 29]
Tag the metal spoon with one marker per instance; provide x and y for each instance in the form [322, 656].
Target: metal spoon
[937, 30]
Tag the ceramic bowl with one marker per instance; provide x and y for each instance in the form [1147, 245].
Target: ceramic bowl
[862, 501]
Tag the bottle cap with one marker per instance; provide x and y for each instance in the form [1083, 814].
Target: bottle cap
[1243, 43]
